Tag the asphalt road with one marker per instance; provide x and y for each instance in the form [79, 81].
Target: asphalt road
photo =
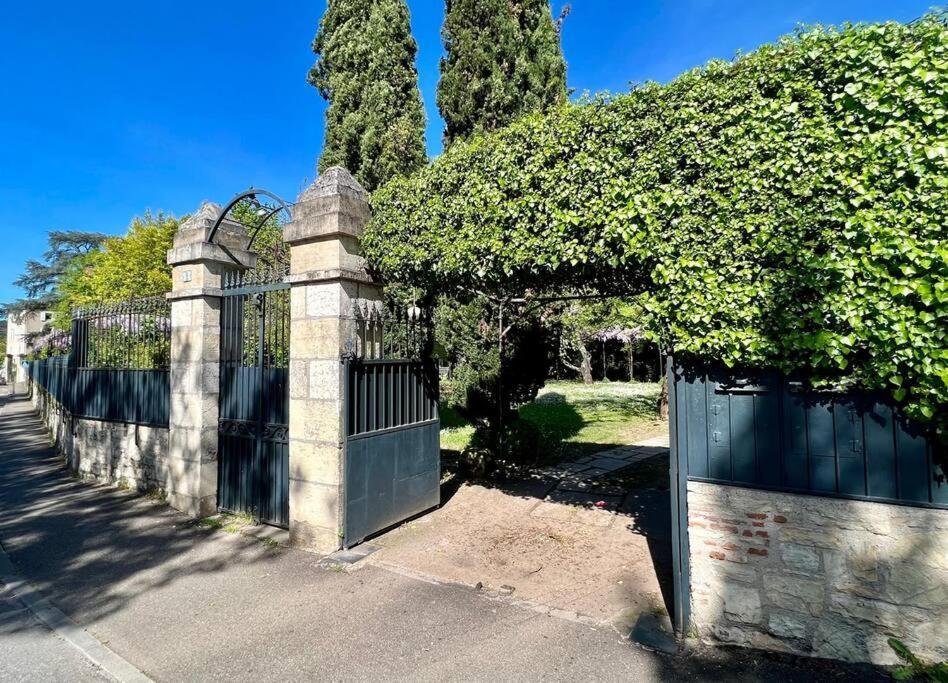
[182, 602]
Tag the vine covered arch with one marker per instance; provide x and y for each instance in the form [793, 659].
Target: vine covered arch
[782, 210]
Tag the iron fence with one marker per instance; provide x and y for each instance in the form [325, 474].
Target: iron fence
[392, 333]
[113, 363]
[130, 335]
[52, 343]
[387, 394]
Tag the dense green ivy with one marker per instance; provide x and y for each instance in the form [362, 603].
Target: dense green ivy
[787, 208]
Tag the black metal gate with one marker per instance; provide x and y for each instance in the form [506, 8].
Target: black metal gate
[253, 458]
[392, 456]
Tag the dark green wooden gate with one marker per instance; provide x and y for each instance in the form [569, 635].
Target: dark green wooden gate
[253, 457]
[392, 465]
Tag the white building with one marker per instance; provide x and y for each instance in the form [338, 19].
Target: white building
[20, 327]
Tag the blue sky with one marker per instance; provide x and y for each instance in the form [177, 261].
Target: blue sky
[110, 108]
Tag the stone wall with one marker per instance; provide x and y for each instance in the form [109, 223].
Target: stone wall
[108, 452]
[817, 576]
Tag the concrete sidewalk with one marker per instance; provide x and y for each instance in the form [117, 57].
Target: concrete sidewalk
[31, 651]
[182, 602]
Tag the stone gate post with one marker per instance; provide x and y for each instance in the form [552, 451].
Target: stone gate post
[197, 266]
[329, 279]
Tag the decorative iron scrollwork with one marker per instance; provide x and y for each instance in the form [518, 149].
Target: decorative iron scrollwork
[276, 432]
[247, 429]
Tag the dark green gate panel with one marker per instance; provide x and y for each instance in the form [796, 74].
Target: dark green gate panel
[253, 472]
[253, 445]
[390, 477]
[764, 430]
[393, 456]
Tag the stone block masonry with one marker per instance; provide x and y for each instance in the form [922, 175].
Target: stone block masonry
[329, 282]
[817, 576]
[107, 452]
[197, 269]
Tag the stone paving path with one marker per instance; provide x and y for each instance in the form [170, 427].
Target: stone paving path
[585, 481]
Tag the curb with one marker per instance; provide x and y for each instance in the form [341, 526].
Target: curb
[64, 627]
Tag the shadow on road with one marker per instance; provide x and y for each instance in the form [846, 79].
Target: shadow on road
[90, 546]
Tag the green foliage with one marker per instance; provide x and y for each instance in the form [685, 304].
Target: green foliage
[786, 209]
[75, 288]
[466, 337]
[567, 420]
[503, 59]
[132, 266]
[375, 122]
[42, 279]
[581, 322]
[915, 668]
[268, 243]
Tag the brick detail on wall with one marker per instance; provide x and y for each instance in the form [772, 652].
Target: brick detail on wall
[107, 452]
[817, 576]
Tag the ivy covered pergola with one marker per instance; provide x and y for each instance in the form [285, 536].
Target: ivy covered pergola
[783, 210]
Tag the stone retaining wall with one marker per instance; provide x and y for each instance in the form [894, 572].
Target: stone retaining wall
[109, 452]
[817, 576]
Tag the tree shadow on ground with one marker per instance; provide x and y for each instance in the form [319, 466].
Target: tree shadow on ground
[726, 664]
[94, 549]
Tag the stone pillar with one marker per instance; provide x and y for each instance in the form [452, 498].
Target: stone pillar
[329, 279]
[197, 266]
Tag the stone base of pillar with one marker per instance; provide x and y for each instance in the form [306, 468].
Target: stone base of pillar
[193, 507]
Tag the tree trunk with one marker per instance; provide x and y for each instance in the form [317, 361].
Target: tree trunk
[585, 367]
[631, 363]
[663, 401]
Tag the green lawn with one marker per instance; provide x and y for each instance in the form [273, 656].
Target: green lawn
[575, 419]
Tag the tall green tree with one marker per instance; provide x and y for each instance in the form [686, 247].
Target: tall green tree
[41, 278]
[365, 69]
[136, 264]
[503, 60]
[125, 267]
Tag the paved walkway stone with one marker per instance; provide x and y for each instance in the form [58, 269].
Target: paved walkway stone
[583, 483]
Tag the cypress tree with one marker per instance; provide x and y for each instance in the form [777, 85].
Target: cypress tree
[365, 69]
[503, 60]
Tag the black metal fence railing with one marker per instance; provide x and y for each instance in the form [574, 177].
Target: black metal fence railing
[112, 365]
[52, 344]
[387, 394]
[131, 335]
[390, 379]
[391, 333]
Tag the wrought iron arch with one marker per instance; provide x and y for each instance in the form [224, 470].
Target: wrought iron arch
[267, 212]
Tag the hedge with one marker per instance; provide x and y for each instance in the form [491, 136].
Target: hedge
[784, 209]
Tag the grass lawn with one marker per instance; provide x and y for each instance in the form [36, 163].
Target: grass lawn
[576, 419]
